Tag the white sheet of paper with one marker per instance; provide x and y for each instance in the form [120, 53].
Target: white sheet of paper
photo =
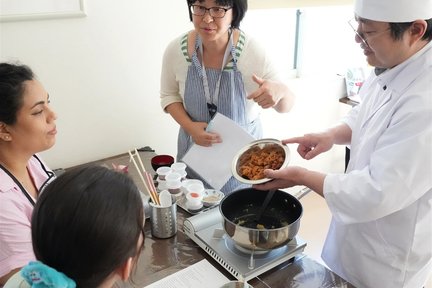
[198, 275]
[213, 163]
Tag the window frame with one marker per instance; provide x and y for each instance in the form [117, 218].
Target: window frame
[300, 7]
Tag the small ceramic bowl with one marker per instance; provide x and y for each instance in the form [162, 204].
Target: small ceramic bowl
[195, 187]
[187, 182]
[173, 177]
[194, 201]
[194, 198]
[162, 172]
[212, 197]
[161, 161]
[178, 166]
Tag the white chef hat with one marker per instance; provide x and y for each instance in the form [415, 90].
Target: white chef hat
[393, 10]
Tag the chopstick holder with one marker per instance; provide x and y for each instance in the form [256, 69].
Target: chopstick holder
[148, 180]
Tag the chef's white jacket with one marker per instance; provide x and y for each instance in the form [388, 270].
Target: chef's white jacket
[381, 231]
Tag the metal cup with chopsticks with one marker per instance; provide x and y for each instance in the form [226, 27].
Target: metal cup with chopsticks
[145, 176]
[163, 218]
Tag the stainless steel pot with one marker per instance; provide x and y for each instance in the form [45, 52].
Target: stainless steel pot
[278, 225]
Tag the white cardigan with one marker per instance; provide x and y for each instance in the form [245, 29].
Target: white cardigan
[252, 60]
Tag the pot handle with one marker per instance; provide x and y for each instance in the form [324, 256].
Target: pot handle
[303, 192]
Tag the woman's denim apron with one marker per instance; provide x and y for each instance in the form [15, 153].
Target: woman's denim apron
[231, 102]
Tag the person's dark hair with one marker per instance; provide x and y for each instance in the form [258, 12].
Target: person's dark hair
[397, 30]
[12, 78]
[239, 8]
[86, 223]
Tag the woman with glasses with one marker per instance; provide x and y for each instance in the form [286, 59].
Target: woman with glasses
[27, 127]
[218, 68]
[87, 231]
[380, 234]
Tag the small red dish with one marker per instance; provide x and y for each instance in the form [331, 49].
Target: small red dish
[161, 161]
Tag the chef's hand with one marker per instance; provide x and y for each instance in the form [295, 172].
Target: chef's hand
[267, 95]
[283, 178]
[202, 137]
[311, 145]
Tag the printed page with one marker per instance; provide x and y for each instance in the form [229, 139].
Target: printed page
[201, 274]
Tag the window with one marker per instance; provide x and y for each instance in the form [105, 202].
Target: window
[325, 43]
[275, 29]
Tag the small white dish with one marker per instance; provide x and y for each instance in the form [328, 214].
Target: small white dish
[174, 188]
[162, 172]
[195, 187]
[173, 177]
[194, 198]
[183, 175]
[178, 166]
[194, 207]
[212, 197]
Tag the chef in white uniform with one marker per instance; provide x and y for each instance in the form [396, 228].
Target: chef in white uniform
[381, 229]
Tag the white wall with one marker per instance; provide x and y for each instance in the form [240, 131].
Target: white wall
[317, 108]
[102, 73]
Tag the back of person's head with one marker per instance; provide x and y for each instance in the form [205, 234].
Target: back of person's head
[239, 8]
[12, 87]
[87, 223]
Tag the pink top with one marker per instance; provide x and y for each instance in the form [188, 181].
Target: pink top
[15, 218]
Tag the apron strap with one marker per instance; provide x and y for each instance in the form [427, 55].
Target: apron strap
[201, 68]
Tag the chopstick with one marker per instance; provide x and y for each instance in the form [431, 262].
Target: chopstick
[140, 161]
[148, 180]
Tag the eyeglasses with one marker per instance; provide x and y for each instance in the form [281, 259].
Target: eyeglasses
[363, 36]
[215, 12]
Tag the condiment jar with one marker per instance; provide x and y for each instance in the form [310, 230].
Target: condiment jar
[162, 172]
[173, 181]
[195, 187]
[194, 201]
[178, 166]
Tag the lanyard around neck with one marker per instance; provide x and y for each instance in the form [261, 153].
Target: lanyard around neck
[204, 74]
[50, 175]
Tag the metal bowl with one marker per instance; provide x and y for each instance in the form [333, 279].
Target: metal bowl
[236, 284]
[239, 158]
[284, 209]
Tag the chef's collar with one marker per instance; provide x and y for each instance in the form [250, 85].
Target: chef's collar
[378, 70]
[398, 77]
